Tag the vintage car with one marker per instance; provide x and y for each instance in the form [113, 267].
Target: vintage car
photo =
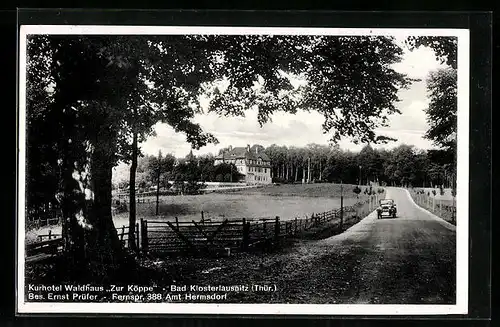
[386, 206]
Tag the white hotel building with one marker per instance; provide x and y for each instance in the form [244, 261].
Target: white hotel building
[255, 165]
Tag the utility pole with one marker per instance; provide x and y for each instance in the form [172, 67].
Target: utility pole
[341, 205]
[309, 170]
[359, 175]
[158, 163]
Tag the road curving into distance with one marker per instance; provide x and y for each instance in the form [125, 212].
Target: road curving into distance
[409, 259]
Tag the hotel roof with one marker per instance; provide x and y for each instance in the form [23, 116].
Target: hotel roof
[244, 153]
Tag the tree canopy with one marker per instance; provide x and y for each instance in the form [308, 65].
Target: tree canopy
[88, 95]
[442, 91]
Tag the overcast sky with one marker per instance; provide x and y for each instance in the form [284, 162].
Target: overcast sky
[304, 128]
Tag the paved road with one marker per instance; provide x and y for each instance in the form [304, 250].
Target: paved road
[405, 260]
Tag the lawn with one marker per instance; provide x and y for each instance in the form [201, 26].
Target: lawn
[304, 190]
[286, 201]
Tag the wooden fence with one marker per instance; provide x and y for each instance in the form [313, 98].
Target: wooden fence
[443, 208]
[142, 197]
[222, 236]
[216, 237]
[123, 235]
[38, 223]
[51, 244]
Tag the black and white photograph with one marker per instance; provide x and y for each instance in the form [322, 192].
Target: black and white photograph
[243, 170]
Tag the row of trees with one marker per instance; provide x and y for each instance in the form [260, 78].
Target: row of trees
[403, 165]
[162, 171]
[92, 99]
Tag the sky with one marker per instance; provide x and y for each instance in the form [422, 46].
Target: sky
[304, 128]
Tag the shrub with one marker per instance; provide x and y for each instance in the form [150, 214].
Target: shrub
[279, 180]
[121, 206]
[434, 192]
[441, 190]
[356, 190]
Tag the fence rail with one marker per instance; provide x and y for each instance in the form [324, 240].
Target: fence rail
[50, 244]
[443, 208]
[170, 237]
[222, 236]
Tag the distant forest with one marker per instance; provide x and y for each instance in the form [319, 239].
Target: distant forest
[401, 166]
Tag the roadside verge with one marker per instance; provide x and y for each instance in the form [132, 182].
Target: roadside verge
[430, 214]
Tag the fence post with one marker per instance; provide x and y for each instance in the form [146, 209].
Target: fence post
[295, 232]
[177, 222]
[341, 213]
[246, 230]
[136, 236]
[277, 229]
[202, 217]
[50, 234]
[122, 233]
[264, 228]
[144, 234]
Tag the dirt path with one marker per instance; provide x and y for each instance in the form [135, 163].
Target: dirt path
[409, 259]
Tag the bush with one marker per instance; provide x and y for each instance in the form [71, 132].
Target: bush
[356, 190]
[121, 206]
[441, 190]
[193, 187]
[434, 192]
[380, 190]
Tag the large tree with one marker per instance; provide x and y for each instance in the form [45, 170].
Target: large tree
[108, 91]
[442, 89]
[349, 80]
[101, 93]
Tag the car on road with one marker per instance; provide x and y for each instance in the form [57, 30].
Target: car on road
[387, 206]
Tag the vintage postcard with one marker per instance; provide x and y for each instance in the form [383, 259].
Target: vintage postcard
[231, 170]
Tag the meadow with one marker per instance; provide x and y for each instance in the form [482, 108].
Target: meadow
[286, 201]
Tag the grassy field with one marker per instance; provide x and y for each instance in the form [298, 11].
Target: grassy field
[286, 201]
[304, 190]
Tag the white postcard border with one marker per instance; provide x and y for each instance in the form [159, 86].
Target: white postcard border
[462, 228]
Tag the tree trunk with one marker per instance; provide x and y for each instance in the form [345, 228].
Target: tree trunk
[309, 170]
[132, 199]
[70, 197]
[104, 250]
[303, 174]
[296, 172]
[158, 190]
[72, 202]
[320, 172]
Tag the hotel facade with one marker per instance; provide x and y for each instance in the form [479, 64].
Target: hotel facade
[251, 162]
